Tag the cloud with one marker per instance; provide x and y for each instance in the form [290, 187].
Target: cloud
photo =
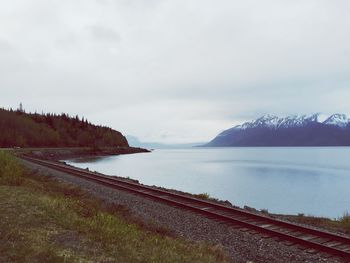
[101, 33]
[4, 46]
[187, 69]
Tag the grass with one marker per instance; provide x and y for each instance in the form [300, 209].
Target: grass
[207, 197]
[43, 220]
[264, 211]
[204, 196]
[341, 224]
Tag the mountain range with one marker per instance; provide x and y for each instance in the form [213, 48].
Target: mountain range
[135, 142]
[305, 130]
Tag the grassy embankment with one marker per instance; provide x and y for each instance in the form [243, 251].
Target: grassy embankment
[43, 220]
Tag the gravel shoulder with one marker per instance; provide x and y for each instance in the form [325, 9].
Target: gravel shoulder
[242, 246]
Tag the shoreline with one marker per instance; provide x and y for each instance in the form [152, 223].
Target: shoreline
[56, 154]
[59, 154]
[323, 223]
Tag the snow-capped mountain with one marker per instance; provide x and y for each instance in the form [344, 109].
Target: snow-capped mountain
[304, 130]
[337, 119]
[274, 122]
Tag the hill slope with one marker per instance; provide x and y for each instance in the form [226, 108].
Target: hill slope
[290, 131]
[19, 129]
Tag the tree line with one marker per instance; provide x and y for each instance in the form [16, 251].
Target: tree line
[20, 129]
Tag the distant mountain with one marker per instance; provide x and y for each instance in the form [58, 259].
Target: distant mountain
[306, 130]
[135, 142]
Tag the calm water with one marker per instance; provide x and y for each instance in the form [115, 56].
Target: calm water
[313, 181]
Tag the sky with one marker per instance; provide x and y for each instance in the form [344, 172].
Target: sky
[175, 71]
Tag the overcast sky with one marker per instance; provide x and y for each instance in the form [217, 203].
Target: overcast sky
[175, 71]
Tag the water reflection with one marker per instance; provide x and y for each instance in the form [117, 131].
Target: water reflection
[283, 180]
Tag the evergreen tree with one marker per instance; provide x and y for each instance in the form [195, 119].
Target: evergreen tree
[51, 130]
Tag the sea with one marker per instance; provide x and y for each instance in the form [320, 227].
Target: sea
[286, 180]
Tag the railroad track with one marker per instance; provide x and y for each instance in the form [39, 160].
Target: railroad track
[314, 241]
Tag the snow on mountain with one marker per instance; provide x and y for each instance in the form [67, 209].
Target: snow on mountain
[297, 121]
[265, 121]
[274, 122]
[340, 120]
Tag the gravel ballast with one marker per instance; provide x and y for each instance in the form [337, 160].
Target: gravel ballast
[242, 246]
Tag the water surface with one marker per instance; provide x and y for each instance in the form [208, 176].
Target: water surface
[313, 181]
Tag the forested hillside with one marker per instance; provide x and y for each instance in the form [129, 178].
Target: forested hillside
[20, 129]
